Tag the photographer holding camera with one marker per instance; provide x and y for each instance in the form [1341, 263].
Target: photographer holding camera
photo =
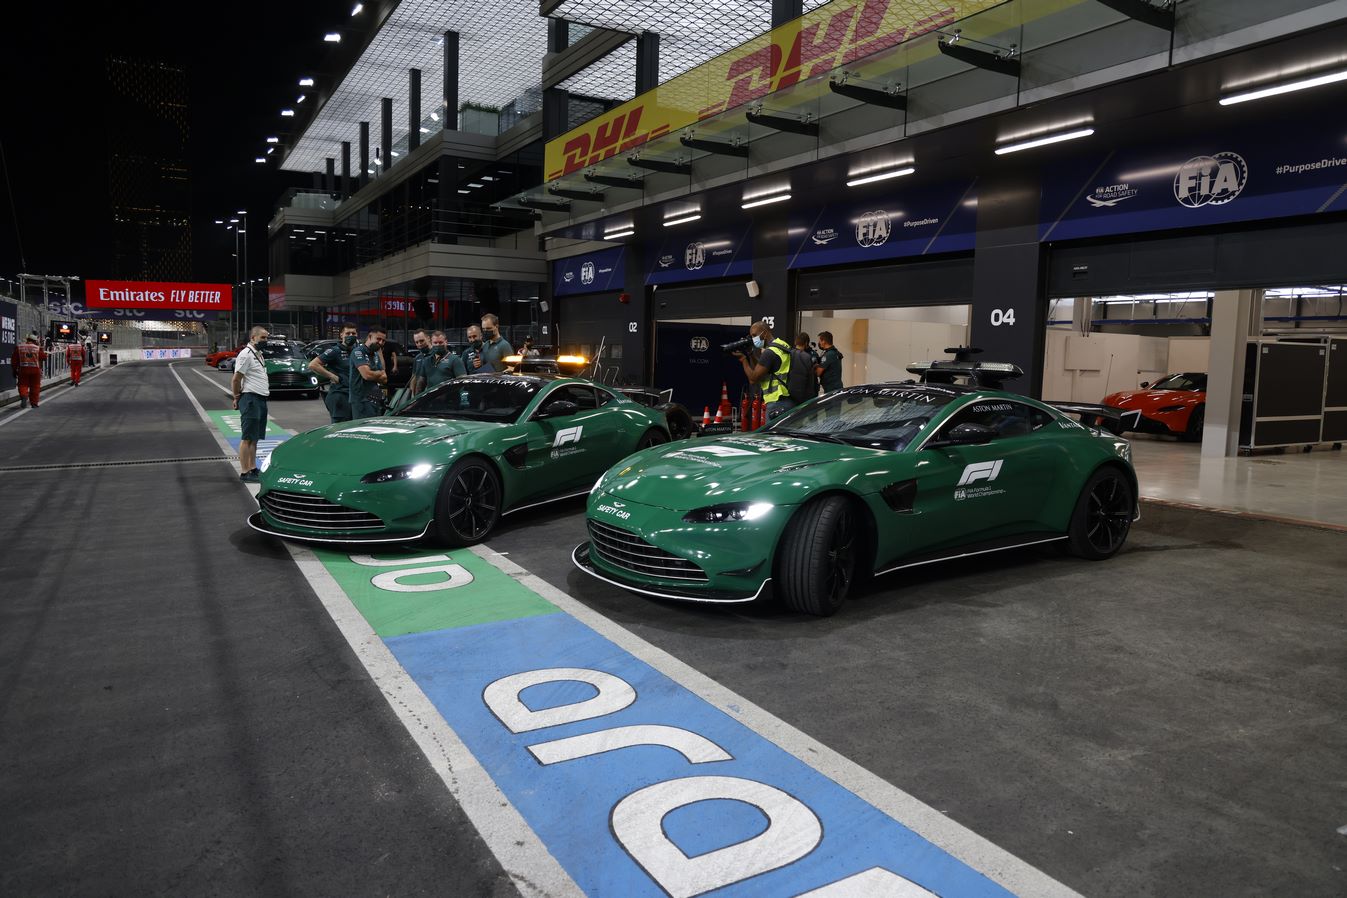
[770, 368]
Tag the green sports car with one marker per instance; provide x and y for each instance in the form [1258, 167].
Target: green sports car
[288, 369]
[862, 481]
[452, 461]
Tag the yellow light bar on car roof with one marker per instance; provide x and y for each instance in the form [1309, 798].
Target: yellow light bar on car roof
[572, 360]
[512, 359]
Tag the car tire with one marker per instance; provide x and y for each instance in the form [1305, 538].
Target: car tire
[652, 437]
[816, 561]
[1103, 515]
[1196, 420]
[469, 503]
[679, 420]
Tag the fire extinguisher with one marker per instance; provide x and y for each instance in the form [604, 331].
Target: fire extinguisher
[745, 411]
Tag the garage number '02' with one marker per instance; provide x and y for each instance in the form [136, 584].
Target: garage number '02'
[451, 461]
[862, 481]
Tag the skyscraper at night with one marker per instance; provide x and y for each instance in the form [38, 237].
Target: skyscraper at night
[148, 176]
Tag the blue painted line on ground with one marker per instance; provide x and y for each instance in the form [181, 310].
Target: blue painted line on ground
[569, 804]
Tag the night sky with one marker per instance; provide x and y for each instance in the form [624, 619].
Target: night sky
[243, 64]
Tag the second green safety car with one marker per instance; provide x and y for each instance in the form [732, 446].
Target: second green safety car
[862, 481]
[451, 461]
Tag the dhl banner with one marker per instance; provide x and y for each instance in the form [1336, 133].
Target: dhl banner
[814, 44]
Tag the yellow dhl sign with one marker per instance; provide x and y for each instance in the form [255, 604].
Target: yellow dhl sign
[814, 44]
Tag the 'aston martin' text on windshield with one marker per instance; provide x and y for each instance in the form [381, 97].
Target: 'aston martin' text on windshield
[873, 417]
[475, 399]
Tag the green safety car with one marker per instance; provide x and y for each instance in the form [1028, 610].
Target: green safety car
[861, 481]
[451, 461]
[288, 368]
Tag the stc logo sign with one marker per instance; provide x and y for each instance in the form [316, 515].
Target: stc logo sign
[1210, 180]
[587, 273]
[873, 228]
[694, 257]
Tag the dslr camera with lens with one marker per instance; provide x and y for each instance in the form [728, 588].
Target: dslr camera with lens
[744, 345]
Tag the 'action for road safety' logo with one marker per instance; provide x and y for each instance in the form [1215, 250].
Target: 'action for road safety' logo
[1210, 180]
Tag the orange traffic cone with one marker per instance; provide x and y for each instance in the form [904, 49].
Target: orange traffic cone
[719, 416]
[725, 409]
[706, 415]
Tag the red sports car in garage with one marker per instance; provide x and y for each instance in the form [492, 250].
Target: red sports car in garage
[1174, 405]
[214, 359]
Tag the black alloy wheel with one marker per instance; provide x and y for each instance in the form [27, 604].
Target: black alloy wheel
[816, 561]
[469, 503]
[652, 437]
[1103, 515]
[1197, 418]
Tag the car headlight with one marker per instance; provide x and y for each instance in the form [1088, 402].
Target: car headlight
[1170, 408]
[264, 463]
[401, 472]
[732, 511]
[312, 379]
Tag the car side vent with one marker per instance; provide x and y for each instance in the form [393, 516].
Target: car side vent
[900, 496]
[515, 455]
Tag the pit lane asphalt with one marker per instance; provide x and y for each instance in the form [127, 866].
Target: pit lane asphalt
[178, 713]
[1171, 721]
[1168, 722]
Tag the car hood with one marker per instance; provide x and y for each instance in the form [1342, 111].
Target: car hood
[1151, 398]
[276, 365]
[691, 474]
[361, 446]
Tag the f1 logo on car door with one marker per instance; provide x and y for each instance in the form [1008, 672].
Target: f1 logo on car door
[567, 435]
[982, 470]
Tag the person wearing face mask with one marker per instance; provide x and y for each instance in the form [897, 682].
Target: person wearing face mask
[421, 361]
[444, 365]
[251, 390]
[770, 369]
[367, 376]
[494, 347]
[334, 363]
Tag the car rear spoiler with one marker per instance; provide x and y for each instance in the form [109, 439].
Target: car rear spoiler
[1092, 415]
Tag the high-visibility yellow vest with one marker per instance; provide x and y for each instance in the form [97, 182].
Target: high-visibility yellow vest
[776, 386]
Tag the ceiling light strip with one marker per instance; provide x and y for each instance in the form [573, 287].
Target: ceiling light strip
[1288, 87]
[764, 200]
[868, 178]
[1044, 141]
[682, 219]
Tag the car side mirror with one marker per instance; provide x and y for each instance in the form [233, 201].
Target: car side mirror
[1145, 384]
[969, 434]
[558, 408]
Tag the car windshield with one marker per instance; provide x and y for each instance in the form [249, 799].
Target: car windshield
[876, 417]
[1181, 382]
[475, 399]
[281, 351]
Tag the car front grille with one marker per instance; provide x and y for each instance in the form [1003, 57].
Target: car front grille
[316, 513]
[626, 550]
[290, 379]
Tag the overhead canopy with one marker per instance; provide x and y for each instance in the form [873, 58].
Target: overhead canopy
[501, 46]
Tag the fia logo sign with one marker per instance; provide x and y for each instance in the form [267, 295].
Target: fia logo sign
[587, 273]
[1210, 180]
[873, 228]
[695, 256]
[700, 344]
[567, 435]
[982, 470]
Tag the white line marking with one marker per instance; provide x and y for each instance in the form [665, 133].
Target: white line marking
[518, 849]
[988, 859]
[213, 383]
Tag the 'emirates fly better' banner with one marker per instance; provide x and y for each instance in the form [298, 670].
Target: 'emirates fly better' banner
[156, 295]
[814, 44]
